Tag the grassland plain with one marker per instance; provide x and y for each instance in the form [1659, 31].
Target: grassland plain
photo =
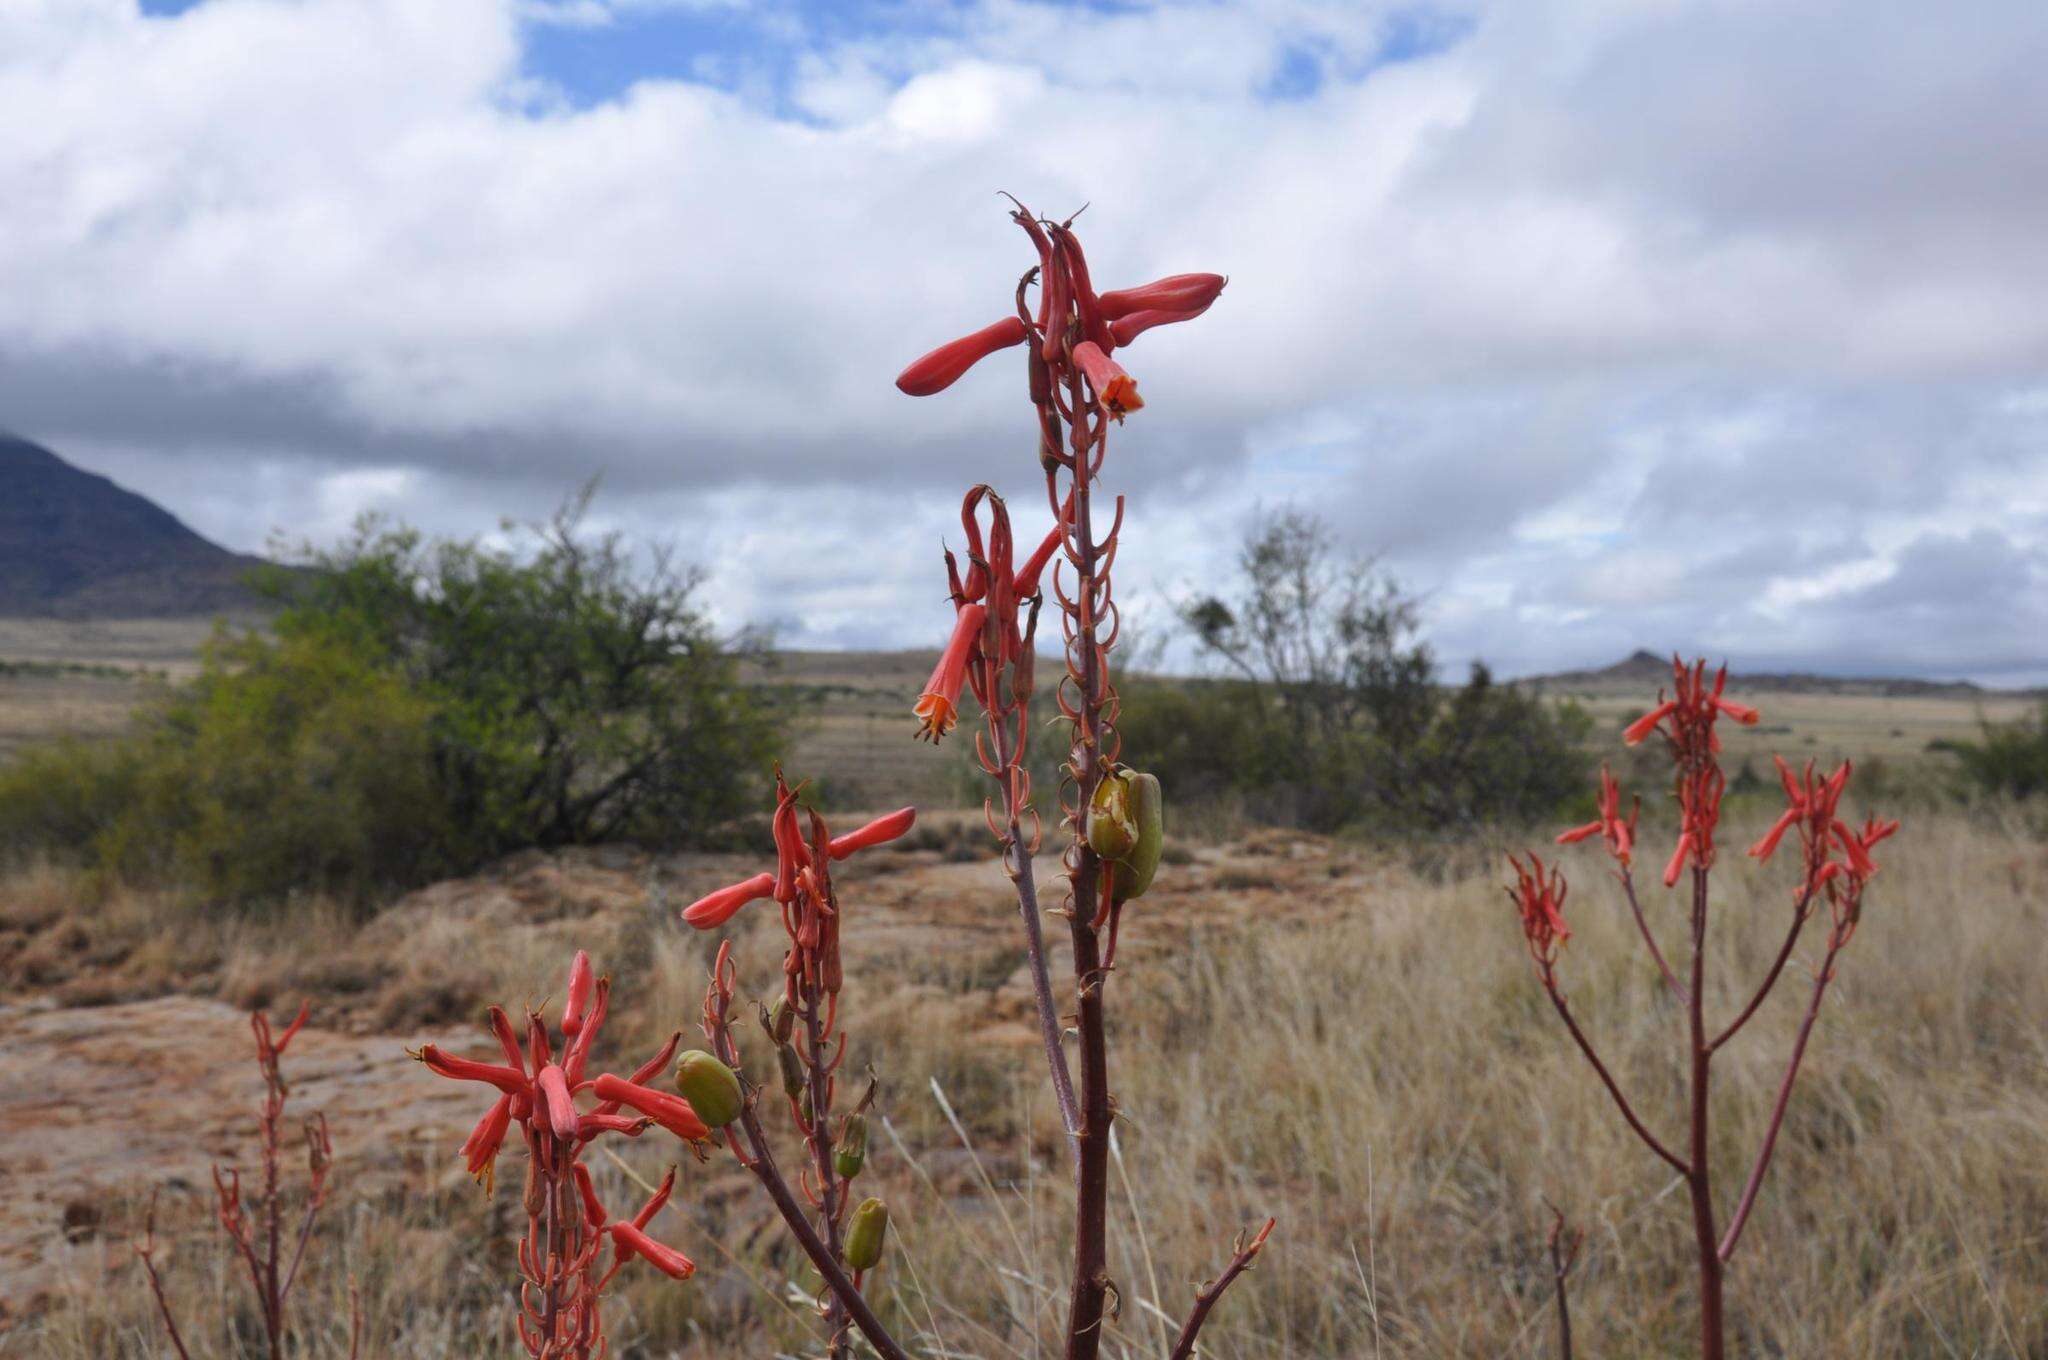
[1307, 1029]
[1342, 1037]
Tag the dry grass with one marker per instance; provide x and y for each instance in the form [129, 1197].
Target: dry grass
[1364, 1054]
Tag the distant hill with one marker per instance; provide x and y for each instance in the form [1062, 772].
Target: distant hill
[1644, 668]
[73, 545]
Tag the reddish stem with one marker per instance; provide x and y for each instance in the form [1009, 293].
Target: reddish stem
[1243, 1254]
[1091, 1251]
[1700, 1179]
[1628, 885]
[1801, 910]
[1763, 1156]
[760, 1159]
[1628, 1112]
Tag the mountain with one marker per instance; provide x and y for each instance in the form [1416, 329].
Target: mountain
[1645, 669]
[74, 545]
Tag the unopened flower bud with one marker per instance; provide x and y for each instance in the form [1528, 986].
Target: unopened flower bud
[792, 1071]
[1112, 831]
[711, 1087]
[866, 1234]
[781, 1021]
[852, 1152]
[1148, 811]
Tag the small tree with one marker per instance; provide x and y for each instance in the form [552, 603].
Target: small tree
[1324, 649]
[580, 695]
[2009, 759]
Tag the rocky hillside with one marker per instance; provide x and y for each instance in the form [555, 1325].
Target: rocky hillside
[74, 545]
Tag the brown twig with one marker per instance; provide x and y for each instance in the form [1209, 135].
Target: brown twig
[1564, 1252]
[1243, 1252]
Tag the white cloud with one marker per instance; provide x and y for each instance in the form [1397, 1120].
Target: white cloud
[1663, 288]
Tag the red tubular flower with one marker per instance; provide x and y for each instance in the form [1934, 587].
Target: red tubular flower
[1677, 862]
[1093, 325]
[1539, 896]
[790, 855]
[1853, 849]
[507, 1037]
[509, 1079]
[480, 1149]
[878, 832]
[671, 1112]
[1619, 832]
[578, 1056]
[593, 1208]
[631, 1241]
[656, 1200]
[938, 706]
[555, 1099]
[940, 369]
[1176, 293]
[1742, 713]
[1125, 329]
[717, 908]
[579, 994]
[1116, 389]
[1026, 582]
[590, 1125]
[1642, 727]
[1767, 845]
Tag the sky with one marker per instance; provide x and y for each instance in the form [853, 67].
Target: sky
[1709, 325]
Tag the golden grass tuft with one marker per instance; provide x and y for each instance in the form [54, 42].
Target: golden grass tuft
[1365, 1055]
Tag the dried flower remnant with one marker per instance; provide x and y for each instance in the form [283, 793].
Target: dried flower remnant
[1836, 866]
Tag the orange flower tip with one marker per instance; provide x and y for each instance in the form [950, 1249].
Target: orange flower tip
[935, 715]
[1578, 833]
[1742, 713]
[943, 367]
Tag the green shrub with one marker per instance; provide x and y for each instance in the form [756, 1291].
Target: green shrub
[1332, 715]
[578, 695]
[2009, 759]
[286, 765]
[416, 709]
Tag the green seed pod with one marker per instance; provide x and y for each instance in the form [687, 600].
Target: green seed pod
[792, 1071]
[781, 1019]
[852, 1152]
[711, 1088]
[1112, 829]
[1148, 811]
[865, 1236]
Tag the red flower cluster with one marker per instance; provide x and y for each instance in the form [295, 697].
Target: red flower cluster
[1811, 800]
[1073, 326]
[986, 603]
[1619, 832]
[802, 885]
[567, 1225]
[1538, 894]
[1687, 722]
